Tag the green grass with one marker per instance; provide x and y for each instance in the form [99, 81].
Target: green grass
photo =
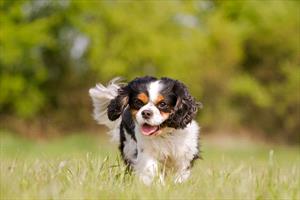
[88, 167]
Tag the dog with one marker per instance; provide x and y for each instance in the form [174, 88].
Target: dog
[153, 120]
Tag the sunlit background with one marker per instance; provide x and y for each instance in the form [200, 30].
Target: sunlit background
[239, 58]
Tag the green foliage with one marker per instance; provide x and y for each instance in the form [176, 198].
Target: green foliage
[246, 86]
[240, 58]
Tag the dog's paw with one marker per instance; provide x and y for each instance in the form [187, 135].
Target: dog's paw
[182, 176]
[146, 179]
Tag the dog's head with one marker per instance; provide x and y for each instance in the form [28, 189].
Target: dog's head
[155, 104]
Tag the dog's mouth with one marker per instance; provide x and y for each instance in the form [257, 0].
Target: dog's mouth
[148, 129]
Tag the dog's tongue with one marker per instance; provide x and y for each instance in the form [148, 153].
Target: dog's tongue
[148, 129]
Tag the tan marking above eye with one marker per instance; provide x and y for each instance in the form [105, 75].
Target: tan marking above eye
[159, 98]
[143, 97]
[165, 115]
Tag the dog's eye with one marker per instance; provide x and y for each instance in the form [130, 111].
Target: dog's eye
[138, 103]
[162, 105]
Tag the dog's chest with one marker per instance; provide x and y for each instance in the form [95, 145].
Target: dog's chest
[168, 146]
[174, 144]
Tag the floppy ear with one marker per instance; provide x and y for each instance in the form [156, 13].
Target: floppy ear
[118, 104]
[185, 109]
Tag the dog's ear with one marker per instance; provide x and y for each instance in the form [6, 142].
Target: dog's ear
[118, 104]
[185, 109]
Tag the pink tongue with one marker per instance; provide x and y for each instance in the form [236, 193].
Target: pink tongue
[148, 130]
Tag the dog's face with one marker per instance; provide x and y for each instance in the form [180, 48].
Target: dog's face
[155, 104]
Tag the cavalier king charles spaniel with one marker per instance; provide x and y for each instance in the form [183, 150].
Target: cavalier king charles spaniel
[153, 121]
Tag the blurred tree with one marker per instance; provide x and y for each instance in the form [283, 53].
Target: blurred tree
[240, 58]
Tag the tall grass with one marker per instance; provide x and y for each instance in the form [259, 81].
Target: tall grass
[85, 167]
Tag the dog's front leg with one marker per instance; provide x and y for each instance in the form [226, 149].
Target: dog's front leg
[183, 171]
[146, 168]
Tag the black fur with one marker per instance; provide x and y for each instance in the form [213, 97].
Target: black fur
[128, 125]
[140, 84]
[117, 105]
[122, 140]
[186, 107]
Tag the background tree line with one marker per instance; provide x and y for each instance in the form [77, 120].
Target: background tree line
[239, 58]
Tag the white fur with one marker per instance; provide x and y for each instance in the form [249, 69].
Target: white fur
[101, 97]
[177, 146]
[155, 120]
[154, 89]
[130, 148]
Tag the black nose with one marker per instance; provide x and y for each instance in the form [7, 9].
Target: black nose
[146, 114]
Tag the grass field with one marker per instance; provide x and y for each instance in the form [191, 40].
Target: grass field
[84, 166]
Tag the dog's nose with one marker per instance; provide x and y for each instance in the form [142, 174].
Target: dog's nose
[146, 114]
